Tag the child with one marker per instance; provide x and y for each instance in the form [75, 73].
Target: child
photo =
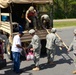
[73, 46]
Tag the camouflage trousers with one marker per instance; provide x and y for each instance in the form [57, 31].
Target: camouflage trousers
[50, 55]
[36, 57]
[74, 55]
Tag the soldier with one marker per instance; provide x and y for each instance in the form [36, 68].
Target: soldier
[36, 47]
[51, 42]
[31, 17]
[45, 20]
[73, 46]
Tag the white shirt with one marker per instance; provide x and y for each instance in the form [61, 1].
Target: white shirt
[16, 40]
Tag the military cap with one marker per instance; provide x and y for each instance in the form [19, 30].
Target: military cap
[74, 31]
[53, 30]
[31, 31]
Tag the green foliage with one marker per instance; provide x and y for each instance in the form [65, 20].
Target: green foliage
[63, 9]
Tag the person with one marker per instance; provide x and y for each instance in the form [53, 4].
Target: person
[16, 50]
[21, 28]
[1, 49]
[45, 20]
[35, 45]
[18, 28]
[31, 18]
[73, 46]
[51, 42]
[4, 38]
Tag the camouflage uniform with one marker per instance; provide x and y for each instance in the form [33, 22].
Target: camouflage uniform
[36, 44]
[51, 42]
[45, 20]
[73, 46]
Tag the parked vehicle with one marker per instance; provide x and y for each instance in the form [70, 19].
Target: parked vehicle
[13, 13]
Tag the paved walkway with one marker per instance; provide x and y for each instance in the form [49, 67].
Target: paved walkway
[60, 20]
[64, 63]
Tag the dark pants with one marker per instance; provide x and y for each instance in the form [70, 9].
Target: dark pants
[31, 25]
[16, 61]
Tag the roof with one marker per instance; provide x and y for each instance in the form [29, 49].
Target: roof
[5, 3]
[31, 1]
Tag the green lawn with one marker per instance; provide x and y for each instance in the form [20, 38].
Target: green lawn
[64, 24]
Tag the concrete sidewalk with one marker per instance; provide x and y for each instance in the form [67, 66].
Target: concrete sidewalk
[64, 61]
[63, 20]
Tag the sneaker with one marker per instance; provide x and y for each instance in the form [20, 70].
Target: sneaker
[36, 69]
[74, 72]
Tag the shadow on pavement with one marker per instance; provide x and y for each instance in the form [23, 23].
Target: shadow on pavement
[42, 67]
[46, 66]
[61, 53]
[10, 72]
[66, 58]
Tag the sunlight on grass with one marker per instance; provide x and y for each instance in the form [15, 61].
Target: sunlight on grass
[64, 24]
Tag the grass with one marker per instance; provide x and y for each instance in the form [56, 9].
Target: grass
[64, 24]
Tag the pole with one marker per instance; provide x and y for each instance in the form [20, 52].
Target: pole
[11, 26]
[62, 41]
[0, 15]
[58, 37]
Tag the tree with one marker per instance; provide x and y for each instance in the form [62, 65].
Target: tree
[64, 8]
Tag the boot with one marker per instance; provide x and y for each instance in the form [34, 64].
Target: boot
[74, 72]
[36, 69]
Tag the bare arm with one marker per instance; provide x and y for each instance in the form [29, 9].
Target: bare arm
[26, 16]
[19, 46]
